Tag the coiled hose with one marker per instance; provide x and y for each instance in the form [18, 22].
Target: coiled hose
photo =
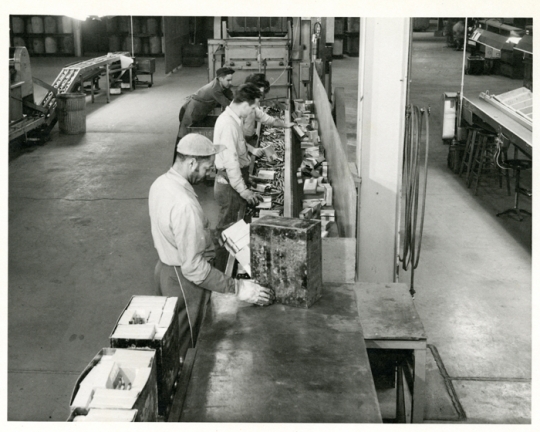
[416, 119]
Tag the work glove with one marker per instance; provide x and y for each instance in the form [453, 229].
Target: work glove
[257, 152]
[251, 197]
[249, 291]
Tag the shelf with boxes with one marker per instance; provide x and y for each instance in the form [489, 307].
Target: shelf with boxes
[141, 35]
[43, 35]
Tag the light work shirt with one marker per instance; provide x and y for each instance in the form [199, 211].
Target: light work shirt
[258, 115]
[228, 131]
[180, 230]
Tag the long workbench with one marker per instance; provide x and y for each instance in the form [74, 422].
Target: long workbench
[518, 134]
[282, 364]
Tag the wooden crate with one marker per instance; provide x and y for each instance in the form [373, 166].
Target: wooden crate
[167, 358]
[286, 255]
[146, 404]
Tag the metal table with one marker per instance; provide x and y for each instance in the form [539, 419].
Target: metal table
[518, 134]
[390, 322]
[282, 364]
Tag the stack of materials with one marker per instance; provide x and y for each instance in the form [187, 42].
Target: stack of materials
[117, 380]
[236, 241]
[269, 176]
[313, 171]
[151, 322]
[104, 415]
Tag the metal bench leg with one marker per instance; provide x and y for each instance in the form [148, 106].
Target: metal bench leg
[419, 385]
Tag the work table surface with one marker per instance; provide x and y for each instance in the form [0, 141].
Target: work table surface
[282, 364]
[500, 121]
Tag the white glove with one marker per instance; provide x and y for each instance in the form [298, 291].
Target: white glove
[257, 152]
[249, 291]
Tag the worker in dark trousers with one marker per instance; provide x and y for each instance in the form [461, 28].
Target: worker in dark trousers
[203, 101]
[231, 189]
[184, 242]
[258, 115]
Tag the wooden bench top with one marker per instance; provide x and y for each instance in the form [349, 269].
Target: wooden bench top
[386, 311]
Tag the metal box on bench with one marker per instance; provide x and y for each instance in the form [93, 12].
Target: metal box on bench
[286, 255]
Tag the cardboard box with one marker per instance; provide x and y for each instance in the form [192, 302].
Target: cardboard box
[165, 342]
[146, 401]
[286, 255]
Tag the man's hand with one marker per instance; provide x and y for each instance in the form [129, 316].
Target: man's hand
[257, 152]
[249, 291]
[251, 197]
[288, 124]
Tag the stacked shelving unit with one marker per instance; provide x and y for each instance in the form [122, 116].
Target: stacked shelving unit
[140, 35]
[43, 34]
[352, 36]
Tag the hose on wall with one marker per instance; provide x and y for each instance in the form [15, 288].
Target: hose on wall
[414, 189]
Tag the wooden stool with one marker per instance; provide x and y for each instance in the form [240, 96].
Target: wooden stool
[390, 322]
[485, 158]
[469, 152]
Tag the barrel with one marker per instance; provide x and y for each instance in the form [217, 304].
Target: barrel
[137, 45]
[155, 45]
[37, 24]
[124, 25]
[112, 25]
[71, 111]
[50, 45]
[146, 46]
[38, 46]
[135, 25]
[114, 43]
[66, 45]
[152, 26]
[50, 24]
[17, 24]
[65, 25]
[18, 41]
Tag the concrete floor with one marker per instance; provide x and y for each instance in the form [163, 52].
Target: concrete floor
[80, 245]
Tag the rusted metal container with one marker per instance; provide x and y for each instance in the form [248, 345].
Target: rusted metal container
[286, 255]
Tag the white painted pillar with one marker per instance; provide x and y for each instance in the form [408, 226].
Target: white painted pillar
[382, 93]
[77, 37]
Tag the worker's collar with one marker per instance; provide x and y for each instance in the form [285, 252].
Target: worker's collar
[179, 178]
[235, 116]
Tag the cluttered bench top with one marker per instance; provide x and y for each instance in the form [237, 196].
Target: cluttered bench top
[282, 364]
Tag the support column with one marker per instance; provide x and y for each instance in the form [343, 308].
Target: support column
[383, 60]
[77, 37]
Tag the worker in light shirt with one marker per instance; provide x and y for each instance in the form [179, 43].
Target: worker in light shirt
[184, 242]
[258, 115]
[231, 189]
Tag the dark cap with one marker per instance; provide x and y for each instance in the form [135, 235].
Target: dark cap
[224, 71]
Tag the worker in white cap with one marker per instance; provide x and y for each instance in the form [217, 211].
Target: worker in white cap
[184, 243]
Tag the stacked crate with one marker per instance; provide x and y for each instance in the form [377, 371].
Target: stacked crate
[121, 381]
[152, 322]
